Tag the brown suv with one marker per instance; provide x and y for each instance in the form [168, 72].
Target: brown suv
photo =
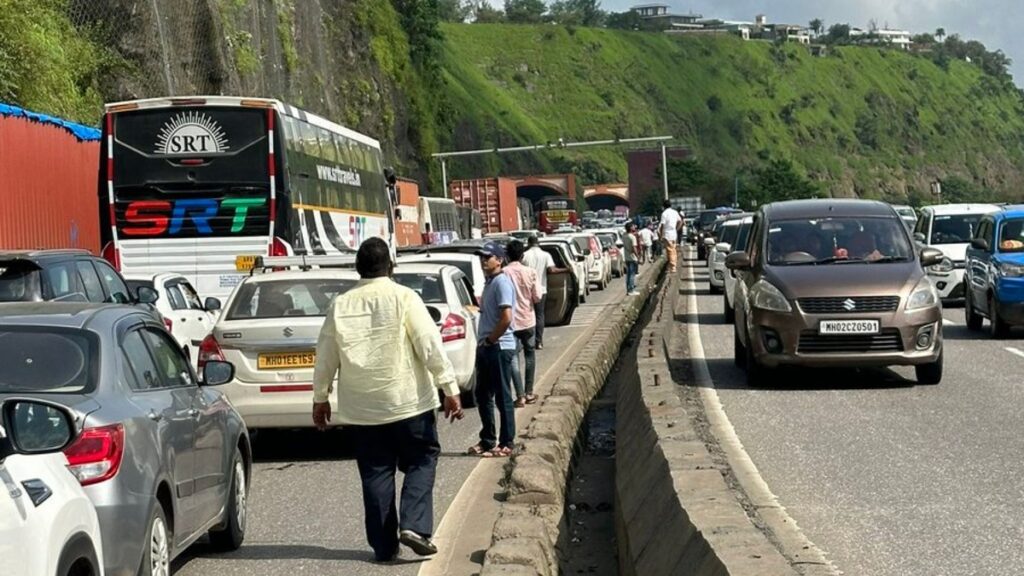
[835, 283]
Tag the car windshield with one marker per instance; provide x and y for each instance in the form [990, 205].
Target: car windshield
[741, 237]
[428, 286]
[466, 266]
[1011, 235]
[837, 240]
[280, 298]
[729, 234]
[47, 361]
[134, 285]
[582, 242]
[954, 228]
[907, 213]
[607, 241]
[19, 282]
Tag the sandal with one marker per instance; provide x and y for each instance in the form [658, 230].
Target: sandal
[531, 398]
[478, 449]
[521, 402]
[500, 452]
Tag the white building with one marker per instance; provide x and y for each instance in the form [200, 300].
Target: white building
[897, 38]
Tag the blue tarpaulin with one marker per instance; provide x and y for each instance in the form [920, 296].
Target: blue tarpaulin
[84, 133]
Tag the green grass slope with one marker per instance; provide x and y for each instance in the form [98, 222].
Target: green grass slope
[860, 121]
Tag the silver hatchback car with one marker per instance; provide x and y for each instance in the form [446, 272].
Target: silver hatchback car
[164, 457]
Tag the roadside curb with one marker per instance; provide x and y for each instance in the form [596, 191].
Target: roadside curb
[675, 511]
[525, 537]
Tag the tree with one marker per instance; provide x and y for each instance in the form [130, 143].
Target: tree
[525, 11]
[577, 13]
[838, 33]
[779, 180]
[818, 26]
[629, 20]
[940, 33]
[651, 203]
[454, 10]
[484, 13]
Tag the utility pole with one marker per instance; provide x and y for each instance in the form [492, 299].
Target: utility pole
[664, 169]
[736, 192]
[444, 176]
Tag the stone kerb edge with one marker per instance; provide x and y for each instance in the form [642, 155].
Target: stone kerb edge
[525, 537]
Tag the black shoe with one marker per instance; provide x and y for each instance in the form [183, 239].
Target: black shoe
[539, 346]
[388, 559]
[421, 545]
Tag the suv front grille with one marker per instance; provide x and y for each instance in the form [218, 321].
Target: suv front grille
[849, 305]
[889, 340]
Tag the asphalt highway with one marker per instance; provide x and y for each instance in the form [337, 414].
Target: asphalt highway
[306, 509]
[889, 477]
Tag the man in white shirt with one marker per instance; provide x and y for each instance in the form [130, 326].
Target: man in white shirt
[671, 224]
[542, 262]
[646, 241]
[379, 336]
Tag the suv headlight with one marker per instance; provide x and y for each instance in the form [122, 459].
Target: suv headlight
[942, 267]
[766, 296]
[1011, 270]
[923, 296]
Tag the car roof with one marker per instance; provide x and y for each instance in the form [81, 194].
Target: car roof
[828, 207]
[36, 255]
[1015, 211]
[297, 275]
[947, 209]
[429, 254]
[59, 314]
[152, 277]
[425, 268]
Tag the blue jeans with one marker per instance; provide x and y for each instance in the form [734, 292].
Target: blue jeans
[493, 371]
[631, 270]
[524, 342]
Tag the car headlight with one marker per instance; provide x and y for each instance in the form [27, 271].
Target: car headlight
[942, 267]
[766, 296]
[1011, 270]
[923, 296]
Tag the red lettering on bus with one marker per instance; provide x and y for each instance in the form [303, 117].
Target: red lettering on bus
[136, 214]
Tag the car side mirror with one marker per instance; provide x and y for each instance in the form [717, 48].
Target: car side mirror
[586, 252]
[212, 304]
[919, 237]
[35, 427]
[980, 244]
[723, 247]
[931, 257]
[147, 295]
[216, 373]
[435, 314]
[738, 261]
[709, 241]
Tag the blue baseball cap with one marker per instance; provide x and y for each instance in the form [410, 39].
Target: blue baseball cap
[492, 249]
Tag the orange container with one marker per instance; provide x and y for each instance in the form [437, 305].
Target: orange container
[48, 180]
[407, 227]
[495, 198]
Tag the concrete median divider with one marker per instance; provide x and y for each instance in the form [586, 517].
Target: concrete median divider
[675, 512]
[525, 536]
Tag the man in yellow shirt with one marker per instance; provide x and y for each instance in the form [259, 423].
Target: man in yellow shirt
[380, 337]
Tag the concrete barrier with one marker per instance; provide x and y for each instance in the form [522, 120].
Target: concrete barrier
[675, 513]
[525, 537]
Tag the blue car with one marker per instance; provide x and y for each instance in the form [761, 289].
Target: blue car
[994, 279]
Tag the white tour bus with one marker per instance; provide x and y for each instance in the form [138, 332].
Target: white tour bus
[202, 185]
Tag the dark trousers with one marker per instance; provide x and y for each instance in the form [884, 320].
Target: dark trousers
[538, 310]
[493, 370]
[410, 446]
[524, 342]
[631, 270]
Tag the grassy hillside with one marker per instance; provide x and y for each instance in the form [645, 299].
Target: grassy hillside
[861, 121]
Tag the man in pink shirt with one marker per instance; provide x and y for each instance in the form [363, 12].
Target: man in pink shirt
[528, 293]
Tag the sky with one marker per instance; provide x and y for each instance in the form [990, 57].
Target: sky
[995, 23]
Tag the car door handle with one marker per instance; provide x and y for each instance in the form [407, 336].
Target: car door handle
[154, 416]
[193, 413]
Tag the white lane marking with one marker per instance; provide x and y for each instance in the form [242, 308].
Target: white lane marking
[739, 460]
[1015, 351]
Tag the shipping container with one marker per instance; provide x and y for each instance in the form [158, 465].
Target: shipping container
[48, 177]
[495, 198]
[407, 226]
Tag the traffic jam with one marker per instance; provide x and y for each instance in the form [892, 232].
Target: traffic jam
[134, 384]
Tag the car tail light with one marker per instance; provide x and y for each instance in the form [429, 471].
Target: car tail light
[454, 328]
[96, 455]
[278, 247]
[169, 324]
[209, 350]
[112, 254]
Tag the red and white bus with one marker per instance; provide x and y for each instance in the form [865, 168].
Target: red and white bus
[555, 211]
[202, 185]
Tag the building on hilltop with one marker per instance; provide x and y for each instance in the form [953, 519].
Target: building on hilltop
[896, 38]
[759, 29]
[658, 16]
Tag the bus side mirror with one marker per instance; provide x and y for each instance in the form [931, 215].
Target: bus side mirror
[389, 175]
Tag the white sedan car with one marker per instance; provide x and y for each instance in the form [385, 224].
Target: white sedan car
[271, 323]
[186, 317]
[47, 523]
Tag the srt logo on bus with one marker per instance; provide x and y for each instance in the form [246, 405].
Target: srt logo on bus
[155, 217]
[191, 133]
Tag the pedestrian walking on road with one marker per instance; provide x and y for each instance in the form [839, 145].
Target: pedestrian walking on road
[381, 345]
[671, 225]
[630, 244]
[543, 264]
[646, 236]
[495, 352]
[524, 318]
